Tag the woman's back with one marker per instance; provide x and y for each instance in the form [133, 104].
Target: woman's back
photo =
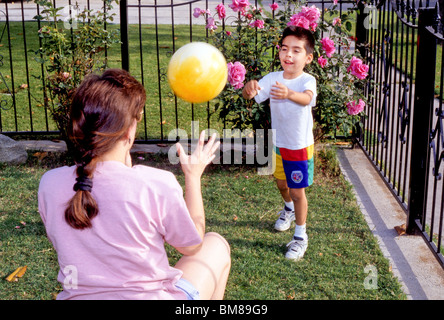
[122, 256]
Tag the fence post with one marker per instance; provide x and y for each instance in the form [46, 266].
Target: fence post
[124, 34]
[422, 117]
[361, 43]
[361, 30]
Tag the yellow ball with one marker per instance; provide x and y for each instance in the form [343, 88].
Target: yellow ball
[197, 72]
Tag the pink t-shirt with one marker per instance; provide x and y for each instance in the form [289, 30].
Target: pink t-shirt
[122, 256]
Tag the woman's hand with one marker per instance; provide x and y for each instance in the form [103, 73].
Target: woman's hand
[194, 165]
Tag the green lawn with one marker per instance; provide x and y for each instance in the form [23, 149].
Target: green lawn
[241, 205]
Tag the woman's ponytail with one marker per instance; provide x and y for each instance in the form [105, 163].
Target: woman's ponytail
[82, 208]
[102, 111]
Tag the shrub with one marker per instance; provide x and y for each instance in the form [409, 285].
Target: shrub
[70, 49]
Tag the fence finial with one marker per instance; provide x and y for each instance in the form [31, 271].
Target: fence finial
[414, 12]
[408, 10]
[436, 18]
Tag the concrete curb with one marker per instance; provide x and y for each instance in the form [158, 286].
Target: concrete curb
[412, 262]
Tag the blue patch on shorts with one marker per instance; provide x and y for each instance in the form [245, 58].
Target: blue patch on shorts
[297, 174]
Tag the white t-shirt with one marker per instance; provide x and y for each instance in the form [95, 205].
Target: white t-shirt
[293, 122]
[123, 255]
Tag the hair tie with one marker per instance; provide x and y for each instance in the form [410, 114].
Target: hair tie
[83, 183]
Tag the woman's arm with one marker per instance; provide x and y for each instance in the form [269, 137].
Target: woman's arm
[193, 167]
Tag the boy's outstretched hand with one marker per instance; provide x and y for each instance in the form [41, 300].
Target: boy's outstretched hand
[279, 91]
[250, 89]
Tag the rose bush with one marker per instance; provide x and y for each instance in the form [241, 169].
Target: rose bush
[70, 49]
[249, 37]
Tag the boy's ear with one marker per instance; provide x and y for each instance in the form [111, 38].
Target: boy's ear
[309, 58]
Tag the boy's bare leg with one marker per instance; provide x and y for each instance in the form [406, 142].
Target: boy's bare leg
[300, 205]
[283, 189]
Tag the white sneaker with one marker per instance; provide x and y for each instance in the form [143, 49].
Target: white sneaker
[285, 220]
[296, 249]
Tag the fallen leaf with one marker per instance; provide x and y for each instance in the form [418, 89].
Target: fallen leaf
[400, 229]
[18, 273]
[40, 155]
[21, 272]
[11, 277]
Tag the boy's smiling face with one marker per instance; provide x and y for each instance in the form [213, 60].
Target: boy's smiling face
[293, 57]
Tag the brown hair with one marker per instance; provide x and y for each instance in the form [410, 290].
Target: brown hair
[302, 34]
[103, 109]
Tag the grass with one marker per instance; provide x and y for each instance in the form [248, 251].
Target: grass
[241, 205]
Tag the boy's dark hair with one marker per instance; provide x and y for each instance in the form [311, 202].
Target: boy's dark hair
[302, 34]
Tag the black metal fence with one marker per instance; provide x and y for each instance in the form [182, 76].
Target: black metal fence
[403, 134]
[168, 24]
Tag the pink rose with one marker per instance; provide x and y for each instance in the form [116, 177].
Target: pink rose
[210, 24]
[313, 26]
[198, 12]
[236, 74]
[328, 46]
[239, 5]
[258, 24]
[358, 68]
[274, 6]
[354, 108]
[322, 61]
[337, 21]
[311, 13]
[299, 21]
[307, 18]
[221, 12]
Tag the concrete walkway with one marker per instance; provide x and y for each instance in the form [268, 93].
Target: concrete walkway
[412, 262]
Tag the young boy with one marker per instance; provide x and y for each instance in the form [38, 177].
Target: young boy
[292, 94]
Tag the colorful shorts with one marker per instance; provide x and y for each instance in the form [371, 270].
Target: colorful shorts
[295, 166]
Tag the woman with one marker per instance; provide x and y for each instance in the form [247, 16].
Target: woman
[108, 220]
